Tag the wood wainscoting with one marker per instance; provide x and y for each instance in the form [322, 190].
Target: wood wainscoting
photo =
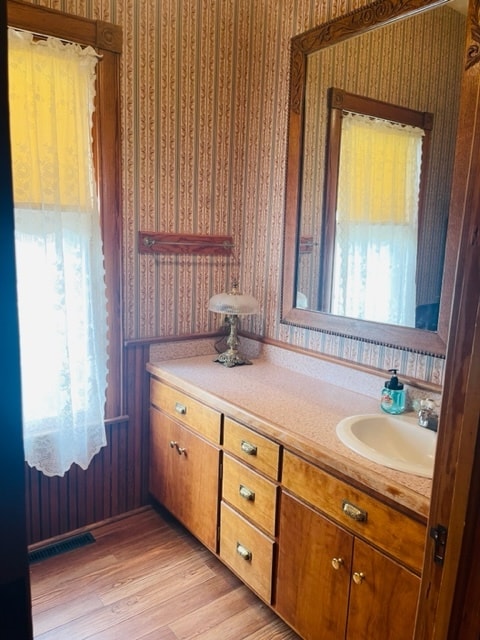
[116, 480]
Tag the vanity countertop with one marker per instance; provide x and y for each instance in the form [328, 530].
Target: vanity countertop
[299, 411]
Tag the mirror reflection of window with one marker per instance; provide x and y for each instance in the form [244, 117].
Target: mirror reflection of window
[373, 209]
[377, 220]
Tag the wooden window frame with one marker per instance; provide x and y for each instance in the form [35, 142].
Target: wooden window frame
[106, 38]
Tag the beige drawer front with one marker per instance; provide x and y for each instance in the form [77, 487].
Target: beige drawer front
[247, 551]
[186, 410]
[390, 530]
[254, 449]
[251, 494]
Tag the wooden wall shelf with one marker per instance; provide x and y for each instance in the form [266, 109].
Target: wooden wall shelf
[182, 243]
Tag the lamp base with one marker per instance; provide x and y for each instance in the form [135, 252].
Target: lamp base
[231, 358]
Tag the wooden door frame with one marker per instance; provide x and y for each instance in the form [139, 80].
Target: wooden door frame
[445, 604]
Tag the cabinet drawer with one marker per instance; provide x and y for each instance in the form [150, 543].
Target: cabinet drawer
[186, 410]
[247, 551]
[388, 529]
[251, 494]
[254, 449]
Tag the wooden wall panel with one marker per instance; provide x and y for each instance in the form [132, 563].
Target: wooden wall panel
[58, 505]
[117, 478]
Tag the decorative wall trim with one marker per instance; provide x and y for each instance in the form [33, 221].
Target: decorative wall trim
[108, 36]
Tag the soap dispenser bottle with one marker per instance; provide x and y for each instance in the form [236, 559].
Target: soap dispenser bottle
[393, 395]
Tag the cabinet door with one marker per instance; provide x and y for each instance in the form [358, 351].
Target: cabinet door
[313, 578]
[184, 476]
[383, 597]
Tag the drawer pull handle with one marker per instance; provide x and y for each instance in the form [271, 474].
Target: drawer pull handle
[337, 563]
[249, 449]
[180, 408]
[180, 450]
[243, 552]
[246, 493]
[354, 512]
[358, 577]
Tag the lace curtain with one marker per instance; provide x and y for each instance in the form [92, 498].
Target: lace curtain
[377, 220]
[60, 273]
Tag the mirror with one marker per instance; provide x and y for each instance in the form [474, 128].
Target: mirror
[345, 52]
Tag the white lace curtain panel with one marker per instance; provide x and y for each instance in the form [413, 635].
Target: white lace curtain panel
[60, 272]
[377, 220]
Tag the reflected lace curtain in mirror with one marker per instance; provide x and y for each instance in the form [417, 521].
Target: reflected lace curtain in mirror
[376, 227]
[372, 208]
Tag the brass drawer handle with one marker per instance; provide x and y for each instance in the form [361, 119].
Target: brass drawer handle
[357, 514]
[337, 563]
[180, 450]
[249, 449]
[358, 577]
[246, 493]
[180, 408]
[243, 552]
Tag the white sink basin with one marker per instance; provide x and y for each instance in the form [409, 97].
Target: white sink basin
[396, 442]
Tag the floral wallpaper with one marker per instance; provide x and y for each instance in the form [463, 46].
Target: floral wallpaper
[204, 119]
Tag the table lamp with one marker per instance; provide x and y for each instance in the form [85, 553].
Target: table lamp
[232, 304]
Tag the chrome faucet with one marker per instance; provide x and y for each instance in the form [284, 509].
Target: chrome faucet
[426, 416]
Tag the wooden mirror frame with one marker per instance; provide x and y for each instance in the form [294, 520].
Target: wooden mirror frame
[377, 14]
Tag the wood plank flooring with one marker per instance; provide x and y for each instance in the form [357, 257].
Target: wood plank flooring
[146, 578]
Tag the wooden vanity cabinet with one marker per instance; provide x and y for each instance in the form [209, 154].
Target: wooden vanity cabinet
[331, 583]
[185, 460]
[332, 560]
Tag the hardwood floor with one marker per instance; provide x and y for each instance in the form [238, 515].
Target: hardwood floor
[146, 578]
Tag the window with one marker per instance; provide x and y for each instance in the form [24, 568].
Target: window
[30, 252]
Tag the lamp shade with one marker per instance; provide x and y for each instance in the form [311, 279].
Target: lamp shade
[233, 304]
